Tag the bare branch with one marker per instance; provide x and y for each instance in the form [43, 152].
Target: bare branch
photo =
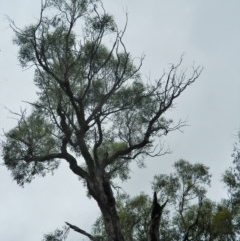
[81, 231]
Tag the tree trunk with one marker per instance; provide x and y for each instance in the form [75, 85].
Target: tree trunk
[100, 188]
[157, 209]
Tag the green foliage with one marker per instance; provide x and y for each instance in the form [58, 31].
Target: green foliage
[32, 139]
[134, 215]
[91, 95]
[88, 73]
[57, 235]
[222, 222]
[230, 213]
[230, 179]
[187, 183]
[231, 176]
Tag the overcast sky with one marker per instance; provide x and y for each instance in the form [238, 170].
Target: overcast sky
[207, 32]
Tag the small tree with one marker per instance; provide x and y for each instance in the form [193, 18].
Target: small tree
[184, 188]
[94, 110]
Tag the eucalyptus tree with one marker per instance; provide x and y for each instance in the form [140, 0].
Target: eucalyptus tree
[94, 110]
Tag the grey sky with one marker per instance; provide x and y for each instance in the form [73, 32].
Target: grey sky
[207, 32]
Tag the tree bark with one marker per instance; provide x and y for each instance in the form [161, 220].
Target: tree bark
[100, 189]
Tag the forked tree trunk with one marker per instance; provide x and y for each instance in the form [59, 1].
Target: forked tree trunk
[100, 188]
[157, 209]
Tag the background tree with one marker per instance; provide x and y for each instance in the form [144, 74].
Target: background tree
[231, 205]
[94, 110]
[186, 213]
[189, 214]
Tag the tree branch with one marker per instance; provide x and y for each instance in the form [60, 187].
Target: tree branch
[81, 231]
[194, 223]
